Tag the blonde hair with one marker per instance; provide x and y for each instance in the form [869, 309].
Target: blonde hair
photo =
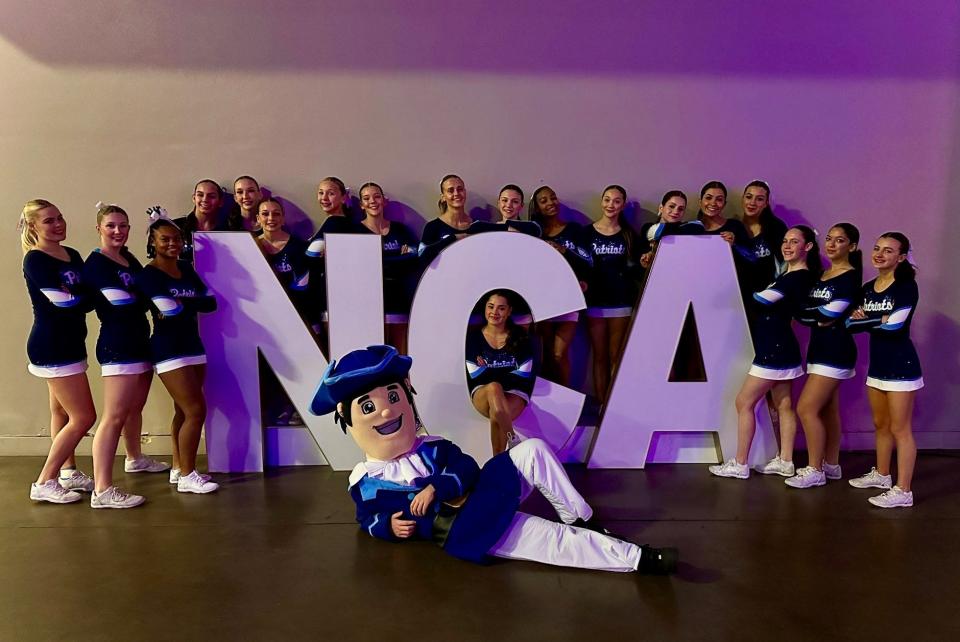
[29, 215]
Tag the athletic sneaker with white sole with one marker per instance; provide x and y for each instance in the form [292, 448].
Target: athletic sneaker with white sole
[896, 497]
[832, 471]
[873, 479]
[144, 464]
[51, 491]
[195, 483]
[113, 497]
[78, 481]
[175, 476]
[731, 468]
[777, 466]
[806, 477]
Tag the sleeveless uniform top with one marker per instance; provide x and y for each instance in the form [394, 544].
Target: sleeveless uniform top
[894, 364]
[777, 352]
[123, 346]
[832, 351]
[512, 368]
[56, 346]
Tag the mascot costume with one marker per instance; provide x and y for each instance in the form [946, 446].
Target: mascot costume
[418, 486]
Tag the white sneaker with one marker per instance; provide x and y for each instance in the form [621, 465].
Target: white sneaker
[175, 476]
[195, 483]
[144, 464]
[113, 497]
[777, 466]
[896, 497]
[873, 479]
[730, 468]
[51, 491]
[77, 481]
[832, 471]
[806, 477]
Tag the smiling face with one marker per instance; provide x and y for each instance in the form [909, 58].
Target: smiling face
[50, 225]
[383, 423]
[673, 210]
[712, 202]
[497, 310]
[372, 201]
[547, 202]
[206, 199]
[755, 199]
[837, 245]
[612, 203]
[887, 254]
[509, 204]
[794, 248]
[330, 197]
[114, 229]
[454, 193]
[247, 195]
[270, 216]
[167, 241]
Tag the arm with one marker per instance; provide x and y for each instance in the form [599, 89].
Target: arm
[49, 283]
[455, 472]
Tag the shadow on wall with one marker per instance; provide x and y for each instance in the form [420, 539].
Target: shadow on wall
[916, 40]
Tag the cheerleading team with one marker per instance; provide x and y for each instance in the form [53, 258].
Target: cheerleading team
[176, 296]
[400, 263]
[56, 346]
[123, 350]
[500, 373]
[567, 238]
[831, 355]
[777, 358]
[612, 287]
[894, 375]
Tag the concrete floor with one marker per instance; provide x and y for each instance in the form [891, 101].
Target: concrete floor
[279, 557]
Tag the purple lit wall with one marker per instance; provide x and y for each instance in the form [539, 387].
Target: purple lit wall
[849, 110]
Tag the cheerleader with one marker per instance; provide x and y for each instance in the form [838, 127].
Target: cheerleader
[247, 196]
[500, 372]
[123, 350]
[894, 375]
[400, 262]
[452, 223]
[831, 355]
[566, 238]
[669, 222]
[612, 290]
[764, 234]
[713, 199]
[777, 361]
[205, 217]
[176, 295]
[56, 347]
[510, 208]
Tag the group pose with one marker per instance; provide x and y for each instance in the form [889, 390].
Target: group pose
[780, 271]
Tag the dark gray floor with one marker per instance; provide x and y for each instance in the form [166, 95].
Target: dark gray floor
[278, 556]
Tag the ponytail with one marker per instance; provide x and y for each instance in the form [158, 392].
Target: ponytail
[26, 224]
[442, 204]
[905, 270]
[813, 254]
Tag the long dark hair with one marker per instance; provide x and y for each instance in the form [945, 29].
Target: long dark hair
[703, 190]
[905, 271]
[513, 188]
[515, 334]
[813, 255]
[766, 216]
[533, 208]
[674, 193]
[855, 256]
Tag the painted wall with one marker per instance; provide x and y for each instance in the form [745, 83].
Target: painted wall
[850, 111]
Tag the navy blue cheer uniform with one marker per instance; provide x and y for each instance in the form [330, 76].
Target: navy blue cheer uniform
[832, 351]
[292, 267]
[512, 368]
[894, 364]
[653, 231]
[56, 346]
[316, 251]
[123, 346]
[612, 286]
[577, 256]
[767, 257]
[777, 352]
[744, 256]
[188, 225]
[400, 271]
[468, 532]
[174, 304]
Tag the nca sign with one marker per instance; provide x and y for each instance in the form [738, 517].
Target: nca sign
[255, 317]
